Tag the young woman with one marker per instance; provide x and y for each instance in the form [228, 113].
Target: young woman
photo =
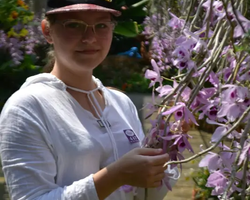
[64, 136]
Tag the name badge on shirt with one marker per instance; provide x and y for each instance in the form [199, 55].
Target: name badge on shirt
[101, 123]
[132, 138]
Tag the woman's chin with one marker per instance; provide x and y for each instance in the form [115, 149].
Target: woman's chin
[81, 67]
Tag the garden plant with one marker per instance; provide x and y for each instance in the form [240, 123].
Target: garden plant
[207, 43]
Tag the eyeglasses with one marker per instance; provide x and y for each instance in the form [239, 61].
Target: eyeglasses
[77, 28]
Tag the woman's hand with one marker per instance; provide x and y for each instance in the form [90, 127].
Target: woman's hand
[141, 167]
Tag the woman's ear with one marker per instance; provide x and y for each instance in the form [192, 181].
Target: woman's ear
[46, 31]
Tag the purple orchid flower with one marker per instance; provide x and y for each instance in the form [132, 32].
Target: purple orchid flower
[181, 53]
[245, 152]
[217, 11]
[180, 140]
[167, 179]
[181, 111]
[202, 97]
[164, 90]
[199, 73]
[213, 78]
[227, 157]
[245, 76]
[238, 31]
[174, 155]
[222, 130]
[151, 107]
[218, 181]
[155, 75]
[151, 138]
[212, 161]
[202, 32]
[194, 42]
[3, 40]
[210, 110]
[232, 102]
[127, 188]
[175, 23]
[183, 64]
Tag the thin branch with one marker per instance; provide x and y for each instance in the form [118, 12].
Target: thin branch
[209, 17]
[233, 76]
[170, 95]
[234, 167]
[225, 5]
[244, 179]
[189, 13]
[215, 56]
[237, 17]
[197, 15]
[218, 27]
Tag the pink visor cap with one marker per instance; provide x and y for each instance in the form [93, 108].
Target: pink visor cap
[62, 6]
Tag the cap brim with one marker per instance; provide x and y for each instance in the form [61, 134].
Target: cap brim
[83, 7]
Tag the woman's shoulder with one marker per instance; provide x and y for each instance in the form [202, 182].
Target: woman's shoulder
[36, 89]
[25, 98]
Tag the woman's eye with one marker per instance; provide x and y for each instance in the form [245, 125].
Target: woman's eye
[101, 26]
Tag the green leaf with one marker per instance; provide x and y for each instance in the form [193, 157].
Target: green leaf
[6, 65]
[127, 29]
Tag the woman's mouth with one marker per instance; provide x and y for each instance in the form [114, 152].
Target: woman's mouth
[88, 51]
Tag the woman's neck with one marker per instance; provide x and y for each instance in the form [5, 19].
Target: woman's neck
[80, 80]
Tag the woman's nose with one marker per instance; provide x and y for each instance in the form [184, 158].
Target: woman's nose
[89, 35]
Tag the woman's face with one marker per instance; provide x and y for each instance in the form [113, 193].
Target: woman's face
[79, 50]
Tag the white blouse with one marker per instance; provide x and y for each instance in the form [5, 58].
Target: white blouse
[51, 146]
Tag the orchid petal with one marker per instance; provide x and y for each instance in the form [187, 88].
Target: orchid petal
[164, 90]
[188, 146]
[244, 153]
[233, 112]
[167, 183]
[150, 74]
[214, 122]
[218, 134]
[190, 116]
[211, 161]
[155, 66]
[173, 109]
[223, 110]
[170, 137]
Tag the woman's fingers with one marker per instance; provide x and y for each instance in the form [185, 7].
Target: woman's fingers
[159, 177]
[159, 159]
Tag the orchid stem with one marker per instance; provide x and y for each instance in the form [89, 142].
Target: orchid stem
[234, 167]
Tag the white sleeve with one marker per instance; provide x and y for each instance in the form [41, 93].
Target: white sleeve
[28, 162]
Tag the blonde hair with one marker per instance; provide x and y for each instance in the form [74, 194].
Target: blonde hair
[51, 53]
